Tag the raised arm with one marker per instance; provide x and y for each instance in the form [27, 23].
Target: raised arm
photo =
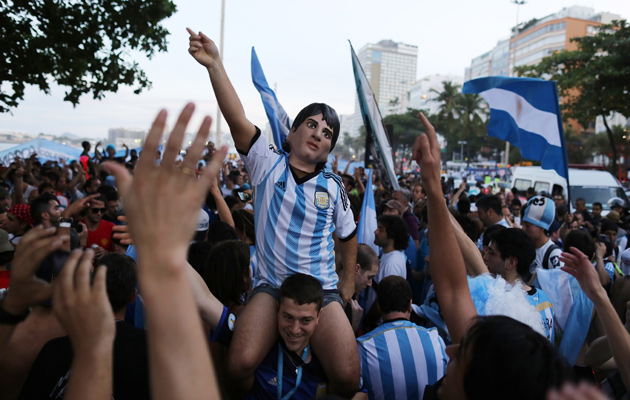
[178, 352]
[446, 263]
[203, 49]
[472, 257]
[222, 208]
[578, 265]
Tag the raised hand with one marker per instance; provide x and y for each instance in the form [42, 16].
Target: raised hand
[426, 152]
[203, 49]
[161, 199]
[578, 265]
[25, 289]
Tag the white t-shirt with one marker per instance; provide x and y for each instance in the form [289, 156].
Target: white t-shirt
[554, 257]
[392, 263]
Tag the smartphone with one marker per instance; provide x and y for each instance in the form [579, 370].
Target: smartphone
[244, 196]
[52, 265]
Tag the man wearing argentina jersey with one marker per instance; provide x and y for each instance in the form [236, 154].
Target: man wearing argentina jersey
[509, 255]
[298, 206]
[399, 359]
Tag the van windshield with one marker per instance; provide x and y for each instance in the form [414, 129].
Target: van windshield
[592, 194]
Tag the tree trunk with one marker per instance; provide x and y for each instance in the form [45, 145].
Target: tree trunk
[613, 147]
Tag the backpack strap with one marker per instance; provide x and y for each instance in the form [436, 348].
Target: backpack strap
[545, 263]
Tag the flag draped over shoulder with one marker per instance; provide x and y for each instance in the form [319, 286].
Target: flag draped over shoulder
[526, 113]
[572, 309]
[380, 149]
[278, 118]
[367, 220]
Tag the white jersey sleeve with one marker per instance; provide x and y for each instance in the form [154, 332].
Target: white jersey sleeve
[259, 158]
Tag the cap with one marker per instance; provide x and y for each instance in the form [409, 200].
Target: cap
[540, 211]
[22, 212]
[613, 216]
[5, 245]
[395, 205]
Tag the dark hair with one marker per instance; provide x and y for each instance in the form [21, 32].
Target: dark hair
[85, 143]
[108, 192]
[490, 202]
[516, 202]
[581, 240]
[608, 225]
[328, 114]
[303, 289]
[45, 185]
[490, 232]
[219, 231]
[366, 257]
[396, 229]
[233, 175]
[40, 205]
[198, 255]
[244, 222]
[52, 176]
[393, 294]
[580, 199]
[231, 201]
[227, 272]
[121, 278]
[350, 179]
[509, 360]
[463, 206]
[597, 203]
[514, 242]
[470, 227]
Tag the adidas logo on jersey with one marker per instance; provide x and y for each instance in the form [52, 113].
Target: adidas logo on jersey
[273, 381]
[281, 185]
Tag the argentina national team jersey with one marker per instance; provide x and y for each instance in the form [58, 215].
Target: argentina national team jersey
[399, 358]
[295, 218]
[540, 300]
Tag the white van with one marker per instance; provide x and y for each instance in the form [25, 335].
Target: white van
[591, 185]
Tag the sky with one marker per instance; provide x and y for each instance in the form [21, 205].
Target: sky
[304, 51]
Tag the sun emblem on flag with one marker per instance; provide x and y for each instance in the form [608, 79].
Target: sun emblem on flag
[321, 200]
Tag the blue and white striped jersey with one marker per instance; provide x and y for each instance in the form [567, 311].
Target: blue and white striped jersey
[295, 218]
[399, 358]
[540, 300]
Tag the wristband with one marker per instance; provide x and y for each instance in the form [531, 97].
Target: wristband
[6, 318]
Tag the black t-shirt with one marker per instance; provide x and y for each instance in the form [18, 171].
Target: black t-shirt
[50, 371]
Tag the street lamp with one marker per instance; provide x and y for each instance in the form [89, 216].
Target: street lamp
[461, 151]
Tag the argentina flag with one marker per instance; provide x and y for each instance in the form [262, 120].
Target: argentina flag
[526, 113]
[367, 219]
[278, 118]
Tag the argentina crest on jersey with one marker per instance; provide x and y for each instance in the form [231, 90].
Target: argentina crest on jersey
[322, 201]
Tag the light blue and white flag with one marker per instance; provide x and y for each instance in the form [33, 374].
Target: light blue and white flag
[367, 220]
[278, 118]
[572, 309]
[526, 113]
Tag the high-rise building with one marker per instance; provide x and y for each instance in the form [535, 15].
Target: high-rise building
[537, 39]
[390, 68]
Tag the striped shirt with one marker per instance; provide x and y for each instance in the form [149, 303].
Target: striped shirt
[540, 300]
[295, 218]
[399, 358]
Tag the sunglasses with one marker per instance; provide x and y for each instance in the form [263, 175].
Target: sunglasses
[98, 210]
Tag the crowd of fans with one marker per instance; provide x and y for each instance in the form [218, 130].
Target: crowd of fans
[186, 275]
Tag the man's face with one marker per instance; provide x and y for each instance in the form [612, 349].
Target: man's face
[580, 206]
[484, 216]
[417, 194]
[311, 141]
[54, 211]
[400, 198]
[91, 189]
[11, 224]
[558, 200]
[96, 211]
[597, 211]
[391, 211]
[492, 259]
[516, 211]
[611, 234]
[534, 232]
[619, 209]
[380, 236]
[296, 323]
[5, 203]
[112, 209]
[62, 185]
[364, 278]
